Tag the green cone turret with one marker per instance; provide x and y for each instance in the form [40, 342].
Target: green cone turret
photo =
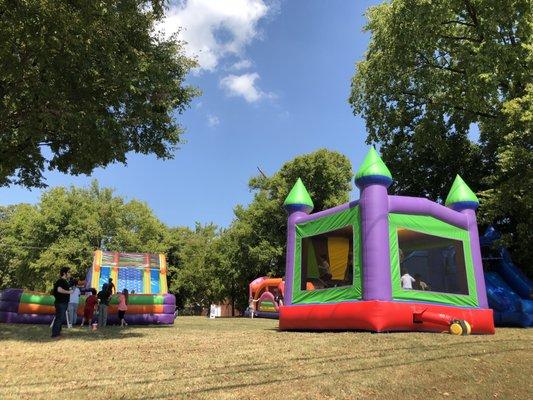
[298, 198]
[461, 196]
[373, 170]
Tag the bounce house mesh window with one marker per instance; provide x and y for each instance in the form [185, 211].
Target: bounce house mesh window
[327, 260]
[431, 263]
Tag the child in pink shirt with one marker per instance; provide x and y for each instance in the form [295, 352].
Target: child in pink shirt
[122, 307]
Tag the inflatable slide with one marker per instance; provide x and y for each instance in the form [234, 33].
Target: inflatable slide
[509, 291]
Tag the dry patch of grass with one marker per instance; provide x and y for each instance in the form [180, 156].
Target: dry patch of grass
[198, 358]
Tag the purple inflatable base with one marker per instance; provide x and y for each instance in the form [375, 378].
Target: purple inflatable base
[15, 318]
[133, 319]
[9, 306]
[11, 295]
[143, 319]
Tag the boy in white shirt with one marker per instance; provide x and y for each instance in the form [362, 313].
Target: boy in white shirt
[407, 280]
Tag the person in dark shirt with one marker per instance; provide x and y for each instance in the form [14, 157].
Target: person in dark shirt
[103, 296]
[62, 295]
[111, 286]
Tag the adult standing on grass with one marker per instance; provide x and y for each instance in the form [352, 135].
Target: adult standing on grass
[103, 296]
[73, 304]
[62, 296]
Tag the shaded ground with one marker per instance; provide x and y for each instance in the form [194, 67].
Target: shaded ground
[199, 358]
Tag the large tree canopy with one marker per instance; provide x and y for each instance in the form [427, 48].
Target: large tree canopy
[435, 71]
[82, 83]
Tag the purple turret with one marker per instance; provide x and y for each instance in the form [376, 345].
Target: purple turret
[462, 199]
[298, 204]
[373, 179]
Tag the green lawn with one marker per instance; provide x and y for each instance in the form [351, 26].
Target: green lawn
[244, 358]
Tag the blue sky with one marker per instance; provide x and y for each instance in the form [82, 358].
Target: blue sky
[275, 78]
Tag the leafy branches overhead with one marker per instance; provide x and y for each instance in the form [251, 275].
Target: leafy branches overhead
[433, 72]
[84, 83]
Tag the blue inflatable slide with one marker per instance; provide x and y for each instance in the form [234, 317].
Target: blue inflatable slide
[509, 291]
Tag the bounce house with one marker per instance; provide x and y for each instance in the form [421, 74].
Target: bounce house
[144, 275]
[509, 291]
[384, 262]
[265, 294]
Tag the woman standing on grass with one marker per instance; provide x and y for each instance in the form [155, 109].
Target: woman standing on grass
[122, 307]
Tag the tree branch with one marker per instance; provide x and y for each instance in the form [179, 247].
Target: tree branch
[429, 100]
[473, 15]
[471, 39]
[458, 22]
[429, 63]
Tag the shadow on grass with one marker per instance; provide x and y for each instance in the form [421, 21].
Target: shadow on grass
[41, 333]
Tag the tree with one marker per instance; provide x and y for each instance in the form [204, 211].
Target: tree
[254, 245]
[193, 277]
[434, 70]
[84, 83]
[65, 228]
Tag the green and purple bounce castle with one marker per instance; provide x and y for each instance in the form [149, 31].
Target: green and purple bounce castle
[385, 263]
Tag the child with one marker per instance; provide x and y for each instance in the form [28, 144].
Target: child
[73, 303]
[406, 279]
[420, 284]
[122, 307]
[90, 306]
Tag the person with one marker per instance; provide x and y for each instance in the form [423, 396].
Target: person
[111, 285]
[278, 297]
[420, 284]
[122, 307]
[323, 268]
[133, 292]
[401, 256]
[103, 297]
[323, 271]
[406, 279]
[90, 306]
[62, 296]
[348, 274]
[73, 303]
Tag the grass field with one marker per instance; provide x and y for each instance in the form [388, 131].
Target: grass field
[250, 359]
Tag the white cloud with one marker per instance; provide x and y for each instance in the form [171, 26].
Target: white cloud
[243, 64]
[214, 29]
[244, 85]
[212, 121]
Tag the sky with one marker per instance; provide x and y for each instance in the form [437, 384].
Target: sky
[275, 79]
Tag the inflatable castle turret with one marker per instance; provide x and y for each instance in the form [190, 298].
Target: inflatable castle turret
[384, 262]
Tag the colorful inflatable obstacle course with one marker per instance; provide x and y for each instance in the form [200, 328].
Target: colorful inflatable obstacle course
[509, 291]
[385, 263]
[143, 273]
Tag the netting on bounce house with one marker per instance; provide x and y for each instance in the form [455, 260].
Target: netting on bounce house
[145, 274]
[385, 263]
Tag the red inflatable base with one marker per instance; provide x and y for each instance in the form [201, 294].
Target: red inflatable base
[380, 316]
